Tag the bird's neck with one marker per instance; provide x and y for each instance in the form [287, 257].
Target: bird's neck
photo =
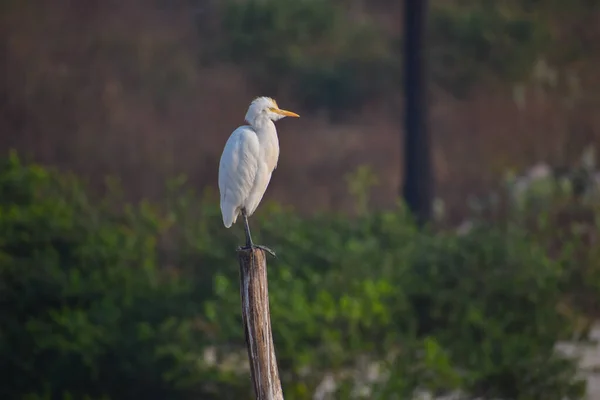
[265, 129]
[269, 143]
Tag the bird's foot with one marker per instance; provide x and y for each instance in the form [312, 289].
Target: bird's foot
[258, 246]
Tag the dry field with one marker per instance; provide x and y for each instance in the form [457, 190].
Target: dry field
[116, 88]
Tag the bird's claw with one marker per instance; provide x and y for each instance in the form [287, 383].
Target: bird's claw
[258, 246]
[264, 248]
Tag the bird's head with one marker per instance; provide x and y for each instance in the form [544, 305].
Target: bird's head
[266, 107]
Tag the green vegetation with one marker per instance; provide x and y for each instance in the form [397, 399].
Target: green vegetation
[111, 301]
[326, 60]
[483, 41]
[330, 60]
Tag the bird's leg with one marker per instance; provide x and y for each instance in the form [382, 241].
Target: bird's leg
[247, 229]
[249, 243]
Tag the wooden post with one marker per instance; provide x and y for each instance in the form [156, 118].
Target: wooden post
[257, 324]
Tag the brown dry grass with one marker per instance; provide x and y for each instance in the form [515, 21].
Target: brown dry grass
[115, 88]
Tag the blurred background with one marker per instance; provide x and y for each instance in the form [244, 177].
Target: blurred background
[118, 279]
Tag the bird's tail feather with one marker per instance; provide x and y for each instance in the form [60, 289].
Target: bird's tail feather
[230, 214]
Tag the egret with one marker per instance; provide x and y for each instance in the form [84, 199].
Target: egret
[248, 160]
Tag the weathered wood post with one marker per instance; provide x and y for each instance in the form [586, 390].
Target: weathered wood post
[257, 324]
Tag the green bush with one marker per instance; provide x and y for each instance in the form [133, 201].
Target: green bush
[107, 301]
[86, 309]
[486, 302]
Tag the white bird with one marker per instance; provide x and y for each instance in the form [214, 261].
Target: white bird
[248, 160]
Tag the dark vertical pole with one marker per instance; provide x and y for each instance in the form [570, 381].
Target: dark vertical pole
[418, 180]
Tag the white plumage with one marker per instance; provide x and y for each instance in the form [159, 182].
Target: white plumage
[248, 160]
[238, 172]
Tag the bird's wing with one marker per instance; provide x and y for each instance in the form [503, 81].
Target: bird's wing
[238, 166]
